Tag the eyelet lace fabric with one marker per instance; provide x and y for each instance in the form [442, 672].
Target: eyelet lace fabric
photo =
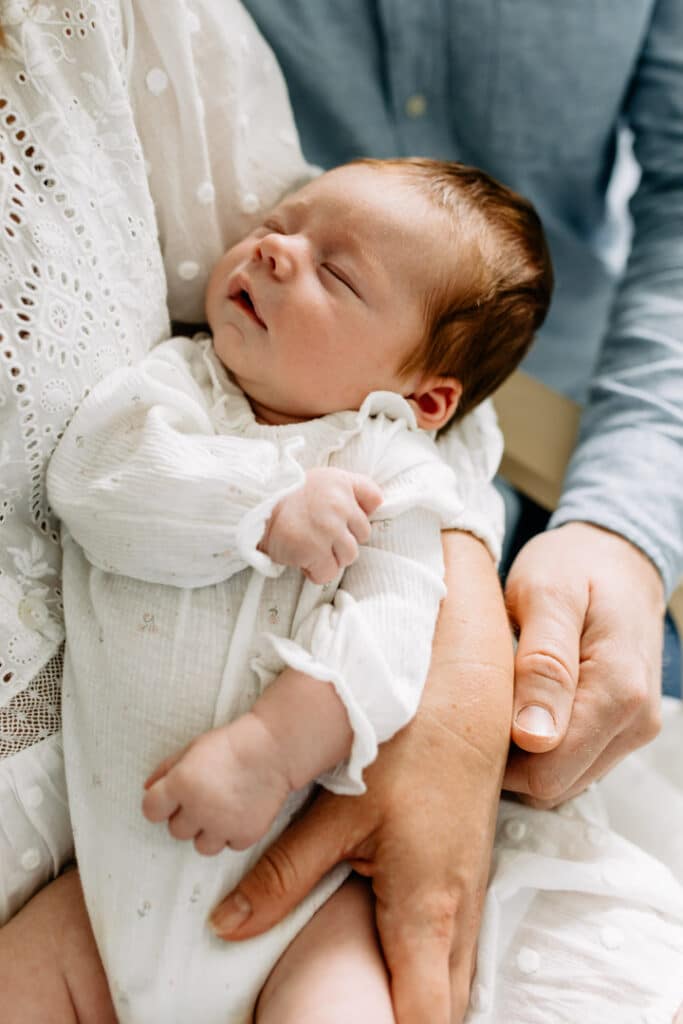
[82, 291]
[88, 261]
[34, 713]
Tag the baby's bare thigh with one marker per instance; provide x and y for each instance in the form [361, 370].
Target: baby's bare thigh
[334, 971]
[50, 970]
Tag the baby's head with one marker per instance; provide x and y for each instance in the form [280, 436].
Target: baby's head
[416, 276]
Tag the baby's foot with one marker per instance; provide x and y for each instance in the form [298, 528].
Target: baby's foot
[224, 789]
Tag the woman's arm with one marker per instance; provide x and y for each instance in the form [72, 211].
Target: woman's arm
[426, 824]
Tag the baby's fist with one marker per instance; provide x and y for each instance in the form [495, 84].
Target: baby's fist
[319, 527]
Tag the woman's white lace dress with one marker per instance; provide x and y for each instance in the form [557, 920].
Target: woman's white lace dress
[83, 290]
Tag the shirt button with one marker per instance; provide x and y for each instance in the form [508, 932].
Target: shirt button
[30, 859]
[206, 193]
[188, 270]
[250, 202]
[416, 105]
[156, 81]
[528, 960]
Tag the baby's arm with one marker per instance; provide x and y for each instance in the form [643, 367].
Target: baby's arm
[372, 644]
[148, 488]
[227, 786]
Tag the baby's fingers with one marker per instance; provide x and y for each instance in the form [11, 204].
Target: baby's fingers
[345, 550]
[367, 493]
[158, 803]
[359, 526]
[209, 844]
[162, 769]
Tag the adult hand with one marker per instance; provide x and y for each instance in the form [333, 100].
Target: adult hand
[589, 607]
[424, 830]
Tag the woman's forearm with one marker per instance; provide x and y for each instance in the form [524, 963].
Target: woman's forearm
[472, 630]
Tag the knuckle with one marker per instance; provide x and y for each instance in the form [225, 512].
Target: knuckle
[546, 665]
[545, 784]
[636, 696]
[277, 872]
[650, 722]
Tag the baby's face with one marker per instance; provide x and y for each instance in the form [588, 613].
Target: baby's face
[324, 302]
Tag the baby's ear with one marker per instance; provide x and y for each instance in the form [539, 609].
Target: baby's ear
[434, 401]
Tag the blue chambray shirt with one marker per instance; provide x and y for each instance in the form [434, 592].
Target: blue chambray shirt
[536, 92]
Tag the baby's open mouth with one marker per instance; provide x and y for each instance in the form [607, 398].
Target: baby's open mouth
[243, 299]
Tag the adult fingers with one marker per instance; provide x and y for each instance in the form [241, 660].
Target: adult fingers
[616, 710]
[417, 952]
[286, 872]
[366, 492]
[616, 750]
[552, 775]
[550, 623]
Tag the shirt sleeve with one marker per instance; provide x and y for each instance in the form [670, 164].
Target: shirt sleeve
[627, 472]
[473, 448]
[373, 641]
[147, 488]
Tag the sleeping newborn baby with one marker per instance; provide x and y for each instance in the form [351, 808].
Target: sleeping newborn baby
[369, 309]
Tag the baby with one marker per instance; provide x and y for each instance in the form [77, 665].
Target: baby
[372, 307]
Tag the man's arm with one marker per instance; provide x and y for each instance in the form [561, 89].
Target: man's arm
[425, 825]
[588, 598]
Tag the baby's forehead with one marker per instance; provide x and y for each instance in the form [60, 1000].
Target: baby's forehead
[369, 200]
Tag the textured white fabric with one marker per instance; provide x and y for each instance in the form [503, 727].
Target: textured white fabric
[583, 919]
[35, 830]
[82, 281]
[150, 666]
[82, 273]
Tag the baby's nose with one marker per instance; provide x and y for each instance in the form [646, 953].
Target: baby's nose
[282, 253]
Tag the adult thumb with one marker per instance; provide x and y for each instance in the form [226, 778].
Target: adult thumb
[284, 874]
[546, 665]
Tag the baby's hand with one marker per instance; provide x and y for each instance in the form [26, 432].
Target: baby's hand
[319, 527]
[224, 789]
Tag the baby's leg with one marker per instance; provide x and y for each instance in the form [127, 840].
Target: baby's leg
[333, 972]
[50, 970]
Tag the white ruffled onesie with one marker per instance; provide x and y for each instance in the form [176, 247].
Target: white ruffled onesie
[173, 628]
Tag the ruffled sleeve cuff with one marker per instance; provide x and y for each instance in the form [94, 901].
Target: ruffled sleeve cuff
[474, 448]
[346, 778]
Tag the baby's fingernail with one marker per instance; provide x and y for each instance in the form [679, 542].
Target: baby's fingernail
[230, 915]
[535, 719]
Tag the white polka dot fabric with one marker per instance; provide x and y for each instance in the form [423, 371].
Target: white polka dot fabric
[203, 68]
[84, 280]
[583, 920]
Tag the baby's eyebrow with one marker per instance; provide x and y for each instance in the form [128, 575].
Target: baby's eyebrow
[294, 210]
